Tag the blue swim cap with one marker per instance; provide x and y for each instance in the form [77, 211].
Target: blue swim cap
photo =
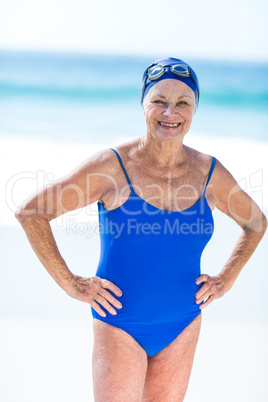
[191, 81]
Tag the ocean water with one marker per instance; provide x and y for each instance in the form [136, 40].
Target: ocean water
[81, 97]
[55, 111]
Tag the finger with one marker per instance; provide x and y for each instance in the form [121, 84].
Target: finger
[206, 303]
[111, 286]
[107, 295]
[105, 304]
[202, 278]
[98, 309]
[204, 296]
[204, 288]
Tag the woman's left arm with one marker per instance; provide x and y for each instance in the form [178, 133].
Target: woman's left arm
[238, 205]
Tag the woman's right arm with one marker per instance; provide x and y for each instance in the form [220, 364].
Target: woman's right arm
[83, 186]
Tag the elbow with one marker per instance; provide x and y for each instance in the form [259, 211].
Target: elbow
[264, 223]
[23, 213]
[26, 215]
[258, 224]
[20, 214]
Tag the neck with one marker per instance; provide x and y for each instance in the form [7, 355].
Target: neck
[166, 154]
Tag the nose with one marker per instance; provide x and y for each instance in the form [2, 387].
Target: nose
[170, 110]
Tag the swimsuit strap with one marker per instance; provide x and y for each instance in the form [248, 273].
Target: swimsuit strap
[130, 184]
[210, 173]
[121, 163]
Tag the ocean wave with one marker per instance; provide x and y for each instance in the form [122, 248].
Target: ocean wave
[70, 92]
[96, 78]
[230, 97]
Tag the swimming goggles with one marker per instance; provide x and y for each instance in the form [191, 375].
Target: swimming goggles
[155, 72]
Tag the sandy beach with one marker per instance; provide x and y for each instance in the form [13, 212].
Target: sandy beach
[46, 337]
[50, 359]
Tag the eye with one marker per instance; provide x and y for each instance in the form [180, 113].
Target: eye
[159, 102]
[183, 103]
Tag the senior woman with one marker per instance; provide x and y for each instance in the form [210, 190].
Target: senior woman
[155, 198]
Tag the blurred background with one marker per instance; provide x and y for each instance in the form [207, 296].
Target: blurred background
[70, 78]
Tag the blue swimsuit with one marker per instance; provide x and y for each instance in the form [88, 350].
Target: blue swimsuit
[153, 256]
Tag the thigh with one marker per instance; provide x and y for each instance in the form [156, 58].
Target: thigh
[169, 370]
[119, 365]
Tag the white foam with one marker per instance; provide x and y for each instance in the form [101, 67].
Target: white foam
[28, 164]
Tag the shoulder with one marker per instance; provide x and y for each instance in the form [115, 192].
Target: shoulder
[127, 149]
[202, 162]
[221, 177]
[227, 195]
[104, 160]
[104, 164]
[97, 169]
[222, 183]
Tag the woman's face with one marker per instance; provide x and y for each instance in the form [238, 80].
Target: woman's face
[169, 107]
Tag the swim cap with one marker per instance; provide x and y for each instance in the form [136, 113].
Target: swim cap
[191, 81]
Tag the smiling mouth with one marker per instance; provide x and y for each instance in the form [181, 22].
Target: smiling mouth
[172, 125]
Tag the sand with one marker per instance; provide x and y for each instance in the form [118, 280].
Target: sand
[50, 360]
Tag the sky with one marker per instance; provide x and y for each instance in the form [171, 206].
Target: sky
[203, 29]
